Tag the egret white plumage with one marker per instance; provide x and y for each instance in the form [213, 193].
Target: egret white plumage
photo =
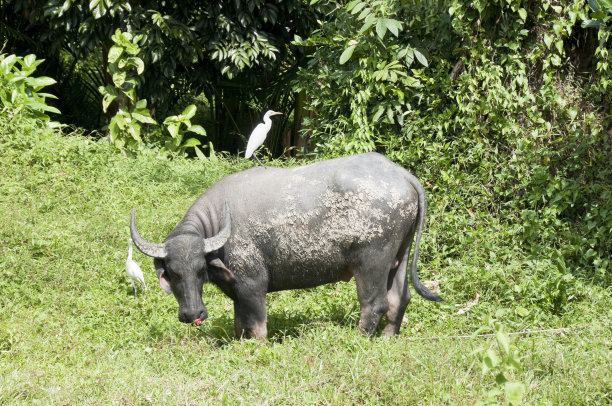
[133, 270]
[258, 136]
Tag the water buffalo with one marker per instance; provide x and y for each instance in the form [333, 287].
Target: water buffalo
[269, 229]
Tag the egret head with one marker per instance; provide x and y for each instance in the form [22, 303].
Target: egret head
[270, 113]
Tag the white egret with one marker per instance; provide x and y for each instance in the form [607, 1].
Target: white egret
[258, 136]
[133, 270]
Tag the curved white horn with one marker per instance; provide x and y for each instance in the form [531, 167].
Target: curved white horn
[147, 248]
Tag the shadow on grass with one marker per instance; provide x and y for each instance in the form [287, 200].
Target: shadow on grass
[280, 325]
[219, 331]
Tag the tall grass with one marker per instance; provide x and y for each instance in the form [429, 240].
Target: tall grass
[71, 331]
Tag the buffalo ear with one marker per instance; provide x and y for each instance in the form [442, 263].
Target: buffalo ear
[220, 271]
[164, 283]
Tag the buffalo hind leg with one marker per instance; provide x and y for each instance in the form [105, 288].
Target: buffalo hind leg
[372, 295]
[398, 296]
[250, 319]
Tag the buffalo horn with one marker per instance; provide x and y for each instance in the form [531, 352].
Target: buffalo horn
[147, 248]
[214, 243]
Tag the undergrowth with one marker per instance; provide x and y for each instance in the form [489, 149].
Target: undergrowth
[71, 330]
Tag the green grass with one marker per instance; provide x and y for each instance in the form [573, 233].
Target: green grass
[71, 331]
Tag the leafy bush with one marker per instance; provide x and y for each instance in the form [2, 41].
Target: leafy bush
[481, 101]
[20, 92]
[504, 363]
[128, 112]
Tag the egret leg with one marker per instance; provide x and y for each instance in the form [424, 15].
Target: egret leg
[134, 286]
[255, 156]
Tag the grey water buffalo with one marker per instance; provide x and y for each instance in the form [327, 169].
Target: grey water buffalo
[269, 229]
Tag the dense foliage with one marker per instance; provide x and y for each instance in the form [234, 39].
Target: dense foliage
[230, 56]
[504, 105]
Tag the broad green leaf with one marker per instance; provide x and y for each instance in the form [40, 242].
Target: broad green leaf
[29, 60]
[523, 14]
[107, 100]
[592, 24]
[394, 26]
[522, 311]
[515, 391]
[491, 360]
[502, 341]
[346, 55]
[113, 130]
[8, 62]
[47, 95]
[409, 56]
[143, 118]
[114, 53]
[197, 129]
[139, 65]
[191, 142]
[355, 7]
[199, 153]
[412, 82]
[141, 104]
[189, 111]
[381, 28]
[134, 130]
[379, 112]
[119, 78]
[42, 107]
[130, 93]
[40, 82]
[365, 13]
[93, 4]
[171, 119]
[500, 378]
[513, 45]
[513, 362]
[548, 40]
[173, 129]
[369, 22]
[119, 120]
[594, 5]
[212, 156]
[420, 57]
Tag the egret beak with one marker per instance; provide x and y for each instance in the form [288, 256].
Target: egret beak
[275, 113]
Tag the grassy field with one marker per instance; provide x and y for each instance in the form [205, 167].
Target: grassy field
[71, 331]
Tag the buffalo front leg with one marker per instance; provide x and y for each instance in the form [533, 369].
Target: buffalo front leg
[250, 319]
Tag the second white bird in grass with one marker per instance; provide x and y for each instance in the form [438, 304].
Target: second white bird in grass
[258, 136]
[133, 270]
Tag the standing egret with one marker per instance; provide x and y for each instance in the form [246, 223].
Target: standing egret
[133, 270]
[258, 136]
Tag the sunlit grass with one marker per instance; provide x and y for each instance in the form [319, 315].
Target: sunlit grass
[71, 330]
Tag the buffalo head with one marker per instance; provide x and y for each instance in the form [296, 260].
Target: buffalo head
[183, 265]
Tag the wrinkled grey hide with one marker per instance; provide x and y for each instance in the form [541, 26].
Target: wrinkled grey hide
[269, 229]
